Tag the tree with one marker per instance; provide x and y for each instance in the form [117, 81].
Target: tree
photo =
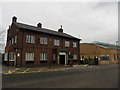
[2, 39]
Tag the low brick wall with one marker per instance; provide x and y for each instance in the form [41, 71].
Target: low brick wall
[104, 62]
[108, 62]
[113, 62]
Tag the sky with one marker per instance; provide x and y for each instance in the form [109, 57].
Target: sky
[89, 21]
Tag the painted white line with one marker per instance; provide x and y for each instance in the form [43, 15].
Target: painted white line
[40, 70]
[26, 70]
[55, 70]
[10, 71]
[17, 69]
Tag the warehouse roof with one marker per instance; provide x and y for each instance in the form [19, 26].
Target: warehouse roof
[106, 45]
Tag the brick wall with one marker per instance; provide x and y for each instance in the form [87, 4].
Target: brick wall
[89, 49]
[36, 48]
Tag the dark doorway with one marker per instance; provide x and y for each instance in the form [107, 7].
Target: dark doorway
[96, 61]
[62, 59]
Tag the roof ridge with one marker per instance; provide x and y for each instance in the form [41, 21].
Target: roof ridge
[44, 30]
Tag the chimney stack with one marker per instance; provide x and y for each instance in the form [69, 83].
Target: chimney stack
[39, 25]
[14, 19]
[60, 30]
[9, 26]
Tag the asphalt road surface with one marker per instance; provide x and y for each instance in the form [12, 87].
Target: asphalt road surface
[101, 76]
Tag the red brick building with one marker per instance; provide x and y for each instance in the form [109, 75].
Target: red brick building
[105, 53]
[37, 46]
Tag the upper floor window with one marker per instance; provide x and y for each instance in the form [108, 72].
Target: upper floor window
[9, 42]
[43, 40]
[67, 43]
[29, 57]
[12, 40]
[56, 42]
[30, 39]
[43, 56]
[74, 44]
[15, 39]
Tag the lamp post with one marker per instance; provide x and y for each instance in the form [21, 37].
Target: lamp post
[18, 60]
[117, 51]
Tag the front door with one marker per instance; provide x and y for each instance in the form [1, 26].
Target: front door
[62, 59]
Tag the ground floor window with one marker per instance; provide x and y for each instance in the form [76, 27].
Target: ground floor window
[70, 56]
[43, 57]
[12, 56]
[104, 57]
[74, 56]
[54, 58]
[116, 56]
[5, 56]
[29, 57]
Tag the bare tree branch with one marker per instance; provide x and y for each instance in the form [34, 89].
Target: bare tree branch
[2, 39]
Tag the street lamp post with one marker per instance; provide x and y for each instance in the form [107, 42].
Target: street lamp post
[18, 60]
[117, 51]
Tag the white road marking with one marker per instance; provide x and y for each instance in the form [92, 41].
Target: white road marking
[40, 70]
[26, 70]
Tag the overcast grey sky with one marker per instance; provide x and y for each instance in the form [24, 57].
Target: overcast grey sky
[90, 21]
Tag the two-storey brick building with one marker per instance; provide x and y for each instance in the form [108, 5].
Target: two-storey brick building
[37, 46]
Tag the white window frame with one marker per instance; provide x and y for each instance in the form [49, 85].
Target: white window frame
[67, 44]
[105, 57]
[9, 42]
[43, 40]
[56, 42]
[74, 44]
[12, 56]
[5, 56]
[54, 57]
[29, 56]
[74, 56]
[12, 41]
[30, 39]
[15, 39]
[43, 56]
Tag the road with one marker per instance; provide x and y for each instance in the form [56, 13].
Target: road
[101, 76]
[0, 74]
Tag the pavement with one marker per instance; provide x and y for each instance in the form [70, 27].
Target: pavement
[22, 70]
[0, 69]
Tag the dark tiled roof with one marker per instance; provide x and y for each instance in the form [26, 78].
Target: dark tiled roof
[43, 30]
[106, 45]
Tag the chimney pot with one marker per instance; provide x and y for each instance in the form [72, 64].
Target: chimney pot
[9, 26]
[39, 25]
[60, 30]
[14, 19]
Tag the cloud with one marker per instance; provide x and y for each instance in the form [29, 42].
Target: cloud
[1, 14]
[92, 21]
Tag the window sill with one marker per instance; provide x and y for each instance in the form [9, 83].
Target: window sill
[43, 61]
[29, 43]
[43, 44]
[11, 60]
[74, 59]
